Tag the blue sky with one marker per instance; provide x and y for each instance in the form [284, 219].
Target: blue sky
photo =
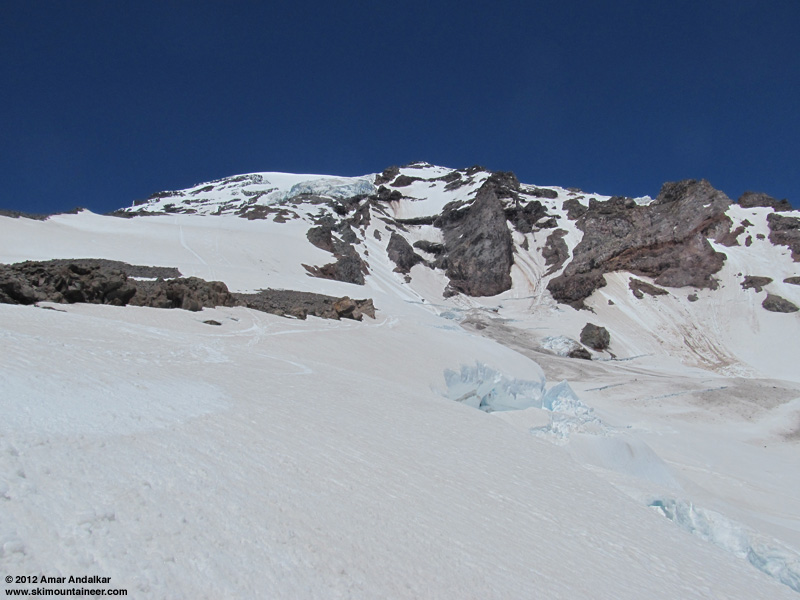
[106, 102]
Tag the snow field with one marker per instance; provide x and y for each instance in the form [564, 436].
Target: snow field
[333, 471]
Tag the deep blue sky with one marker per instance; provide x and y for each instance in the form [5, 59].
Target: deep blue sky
[106, 102]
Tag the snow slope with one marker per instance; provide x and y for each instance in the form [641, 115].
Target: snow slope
[271, 457]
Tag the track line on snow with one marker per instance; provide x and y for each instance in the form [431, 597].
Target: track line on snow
[187, 247]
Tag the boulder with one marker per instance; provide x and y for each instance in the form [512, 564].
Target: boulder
[595, 337]
[775, 303]
[581, 353]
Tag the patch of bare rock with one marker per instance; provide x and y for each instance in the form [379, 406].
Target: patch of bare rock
[478, 243]
[665, 240]
[755, 282]
[639, 288]
[775, 303]
[785, 231]
[96, 281]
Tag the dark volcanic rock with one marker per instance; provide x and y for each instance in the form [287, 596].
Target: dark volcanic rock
[362, 216]
[348, 267]
[555, 251]
[785, 231]
[321, 237]
[430, 247]
[721, 232]
[775, 303]
[384, 194]
[402, 254]
[665, 240]
[290, 303]
[575, 210]
[15, 214]
[580, 352]
[92, 281]
[415, 221]
[479, 245]
[127, 269]
[544, 193]
[387, 175]
[64, 281]
[755, 282]
[640, 288]
[190, 293]
[261, 212]
[505, 182]
[595, 337]
[30, 282]
[792, 280]
[525, 217]
[754, 199]
[404, 180]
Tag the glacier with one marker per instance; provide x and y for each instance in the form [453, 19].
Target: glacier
[332, 187]
[483, 387]
[490, 390]
[767, 555]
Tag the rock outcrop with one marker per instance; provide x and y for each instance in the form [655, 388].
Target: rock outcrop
[123, 267]
[31, 282]
[785, 231]
[756, 199]
[478, 244]
[639, 288]
[96, 281]
[402, 254]
[430, 247]
[338, 239]
[555, 251]
[301, 305]
[665, 240]
[525, 217]
[190, 293]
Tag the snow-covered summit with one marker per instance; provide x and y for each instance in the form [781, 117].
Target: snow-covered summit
[238, 193]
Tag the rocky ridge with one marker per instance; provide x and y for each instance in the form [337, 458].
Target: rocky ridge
[98, 281]
[473, 225]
